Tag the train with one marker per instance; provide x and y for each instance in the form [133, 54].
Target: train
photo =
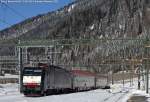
[50, 79]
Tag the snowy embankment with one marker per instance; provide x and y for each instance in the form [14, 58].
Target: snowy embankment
[117, 93]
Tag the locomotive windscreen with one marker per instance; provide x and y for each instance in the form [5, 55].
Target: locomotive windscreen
[32, 75]
[32, 71]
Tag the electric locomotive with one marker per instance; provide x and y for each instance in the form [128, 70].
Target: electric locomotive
[45, 80]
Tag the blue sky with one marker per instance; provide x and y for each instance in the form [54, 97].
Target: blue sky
[21, 11]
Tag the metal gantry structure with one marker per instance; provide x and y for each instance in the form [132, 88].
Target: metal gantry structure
[126, 57]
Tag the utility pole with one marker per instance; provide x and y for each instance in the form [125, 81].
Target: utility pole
[146, 63]
[139, 76]
[132, 71]
[123, 74]
[147, 76]
[143, 77]
[20, 66]
[112, 75]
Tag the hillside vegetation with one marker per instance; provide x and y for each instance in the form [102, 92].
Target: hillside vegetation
[83, 19]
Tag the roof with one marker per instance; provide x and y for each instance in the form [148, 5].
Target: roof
[83, 73]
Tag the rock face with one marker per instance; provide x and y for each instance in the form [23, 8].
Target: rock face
[85, 19]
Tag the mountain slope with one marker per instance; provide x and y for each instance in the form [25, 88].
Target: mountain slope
[84, 19]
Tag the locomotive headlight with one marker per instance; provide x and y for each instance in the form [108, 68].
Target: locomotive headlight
[32, 79]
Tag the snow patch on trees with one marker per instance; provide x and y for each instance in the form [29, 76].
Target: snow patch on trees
[71, 8]
[92, 26]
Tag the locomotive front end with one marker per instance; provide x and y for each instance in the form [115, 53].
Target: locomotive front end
[32, 81]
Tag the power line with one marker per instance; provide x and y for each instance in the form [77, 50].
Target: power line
[13, 10]
[3, 17]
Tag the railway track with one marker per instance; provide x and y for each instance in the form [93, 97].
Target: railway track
[120, 97]
[113, 95]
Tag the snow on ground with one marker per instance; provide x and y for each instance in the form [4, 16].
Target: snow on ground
[135, 92]
[132, 90]
[117, 93]
[10, 93]
[90, 96]
[8, 89]
[9, 76]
